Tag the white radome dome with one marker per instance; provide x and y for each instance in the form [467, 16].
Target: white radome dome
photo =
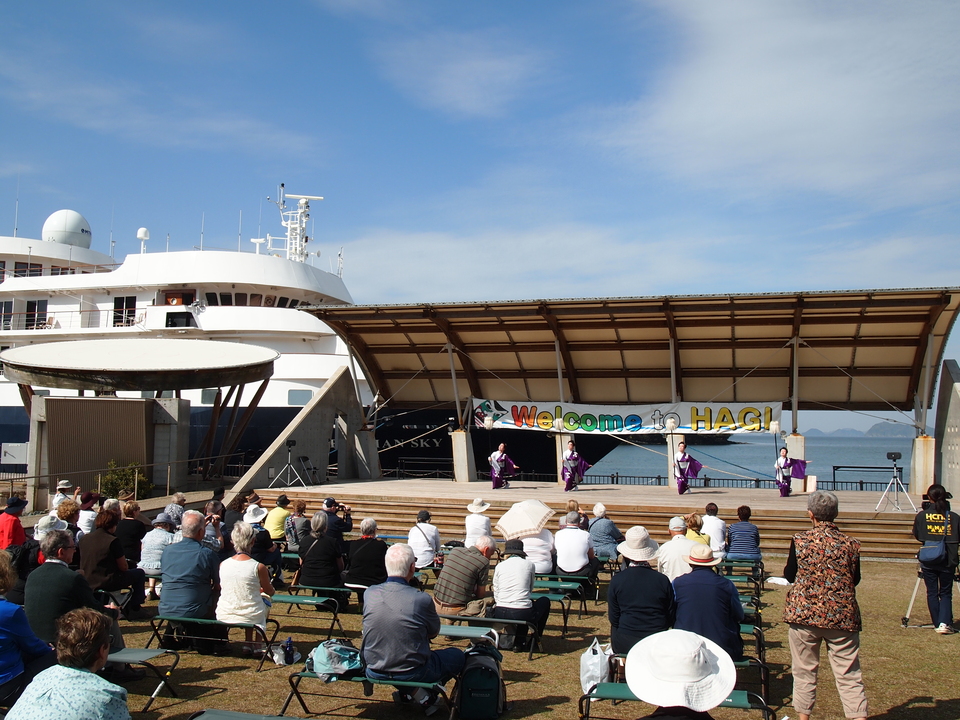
[67, 227]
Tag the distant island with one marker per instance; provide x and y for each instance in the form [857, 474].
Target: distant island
[881, 429]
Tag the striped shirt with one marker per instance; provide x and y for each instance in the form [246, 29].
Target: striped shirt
[464, 570]
[743, 537]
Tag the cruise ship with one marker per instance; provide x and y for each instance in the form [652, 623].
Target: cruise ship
[57, 288]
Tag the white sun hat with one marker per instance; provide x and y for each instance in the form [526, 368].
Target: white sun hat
[478, 506]
[679, 668]
[254, 514]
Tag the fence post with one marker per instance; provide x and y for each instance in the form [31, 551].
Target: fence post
[99, 478]
[136, 483]
[168, 478]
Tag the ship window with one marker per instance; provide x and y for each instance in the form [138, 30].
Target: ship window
[41, 393]
[256, 299]
[299, 397]
[208, 396]
[22, 269]
[212, 299]
[240, 299]
[184, 297]
[6, 315]
[293, 303]
[124, 310]
[282, 302]
[36, 314]
[55, 270]
[2, 348]
[180, 320]
[269, 301]
[3, 270]
[151, 395]
[226, 299]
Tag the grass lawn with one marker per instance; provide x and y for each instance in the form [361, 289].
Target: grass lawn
[910, 674]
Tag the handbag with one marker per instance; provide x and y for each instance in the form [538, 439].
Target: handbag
[934, 552]
[595, 665]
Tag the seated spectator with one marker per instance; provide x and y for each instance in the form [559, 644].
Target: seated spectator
[175, 508]
[11, 529]
[89, 508]
[22, 653]
[276, 518]
[104, 565]
[672, 555]
[743, 538]
[212, 534]
[683, 674]
[63, 493]
[583, 520]
[716, 529]
[709, 604]
[234, 513]
[126, 496]
[540, 551]
[513, 581]
[112, 505]
[320, 560]
[575, 553]
[462, 584]
[264, 549]
[130, 532]
[297, 526]
[694, 529]
[73, 690]
[606, 536]
[337, 526]
[365, 564]
[243, 582]
[424, 540]
[476, 523]
[191, 577]
[398, 623]
[151, 551]
[27, 557]
[639, 599]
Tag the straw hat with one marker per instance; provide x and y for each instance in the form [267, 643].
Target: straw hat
[676, 667]
[478, 506]
[638, 545]
[701, 556]
[254, 514]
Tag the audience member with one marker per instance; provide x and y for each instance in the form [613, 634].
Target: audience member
[683, 674]
[264, 549]
[126, 496]
[337, 526]
[321, 563]
[743, 538]
[709, 604]
[540, 551]
[671, 557]
[130, 532]
[191, 581]
[694, 529]
[462, 584]
[639, 599]
[513, 581]
[824, 567]
[73, 690]
[935, 523]
[276, 518]
[716, 529]
[63, 487]
[583, 520]
[175, 508]
[296, 528]
[11, 529]
[104, 565]
[476, 523]
[89, 508]
[151, 551]
[424, 540]
[365, 565]
[243, 583]
[398, 624]
[575, 553]
[22, 653]
[606, 535]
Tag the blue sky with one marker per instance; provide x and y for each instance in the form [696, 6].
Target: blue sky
[504, 150]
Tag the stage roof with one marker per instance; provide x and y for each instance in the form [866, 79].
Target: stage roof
[857, 350]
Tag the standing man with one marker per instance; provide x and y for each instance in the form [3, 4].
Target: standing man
[337, 526]
[398, 624]
[513, 592]
[716, 529]
[11, 529]
[709, 604]
[671, 557]
[462, 585]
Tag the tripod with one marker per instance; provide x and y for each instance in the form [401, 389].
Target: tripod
[288, 469]
[905, 620]
[896, 483]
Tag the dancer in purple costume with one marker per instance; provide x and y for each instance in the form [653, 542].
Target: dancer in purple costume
[574, 467]
[685, 468]
[501, 467]
[787, 469]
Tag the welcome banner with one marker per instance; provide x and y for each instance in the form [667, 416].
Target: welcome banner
[690, 418]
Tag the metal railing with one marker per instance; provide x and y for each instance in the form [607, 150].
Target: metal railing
[860, 484]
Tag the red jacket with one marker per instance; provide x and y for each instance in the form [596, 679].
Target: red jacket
[11, 531]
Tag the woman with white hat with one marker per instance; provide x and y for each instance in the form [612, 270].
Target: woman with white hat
[640, 599]
[476, 522]
[681, 673]
[264, 549]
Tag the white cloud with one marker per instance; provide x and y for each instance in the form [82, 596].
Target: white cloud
[856, 100]
[465, 74]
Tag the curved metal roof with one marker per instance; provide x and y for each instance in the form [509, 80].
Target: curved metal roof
[856, 350]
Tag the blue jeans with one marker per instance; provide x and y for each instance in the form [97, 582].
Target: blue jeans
[750, 557]
[441, 666]
[939, 582]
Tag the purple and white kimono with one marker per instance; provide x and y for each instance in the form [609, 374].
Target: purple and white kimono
[685, 468]
[501, 467]
[787, 469]
[573, 470]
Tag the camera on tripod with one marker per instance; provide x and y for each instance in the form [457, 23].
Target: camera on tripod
[293, 443]
[894, 456]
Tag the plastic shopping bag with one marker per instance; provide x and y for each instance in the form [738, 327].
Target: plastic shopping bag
[595, 665]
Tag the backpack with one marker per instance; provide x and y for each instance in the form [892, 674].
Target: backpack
[480, 693]
[335, 657]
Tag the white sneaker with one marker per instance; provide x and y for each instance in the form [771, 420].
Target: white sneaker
[944, 629]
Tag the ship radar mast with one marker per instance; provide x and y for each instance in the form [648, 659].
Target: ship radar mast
[295, 221]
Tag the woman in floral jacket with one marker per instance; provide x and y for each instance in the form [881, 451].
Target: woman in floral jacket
[824, 565]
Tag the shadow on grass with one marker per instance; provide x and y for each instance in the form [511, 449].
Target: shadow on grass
[922, 708]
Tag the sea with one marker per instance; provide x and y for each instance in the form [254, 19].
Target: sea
[753, 457]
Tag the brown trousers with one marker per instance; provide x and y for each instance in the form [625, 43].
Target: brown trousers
[843, 651]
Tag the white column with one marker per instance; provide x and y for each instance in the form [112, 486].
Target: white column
[922, 464]
[464, 467]
[673, 440]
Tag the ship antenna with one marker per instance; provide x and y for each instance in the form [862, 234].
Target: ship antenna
[203, 217]
[16, 207]
[340, 263]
